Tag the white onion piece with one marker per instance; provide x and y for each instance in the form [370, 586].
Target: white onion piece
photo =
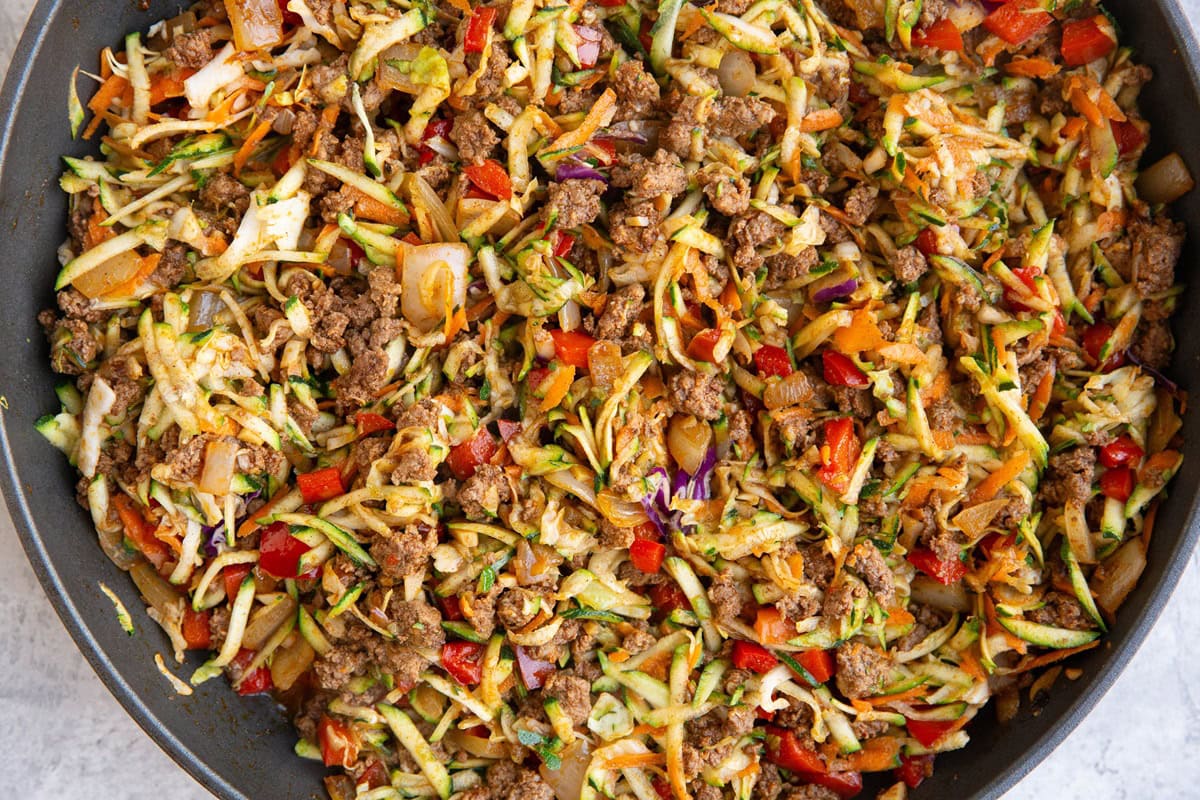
[947, 598]
[567, 780]
[432, 272]
[220, 457]
[1165, 181]
[736, 73]
[1120, 575]
[688, 440]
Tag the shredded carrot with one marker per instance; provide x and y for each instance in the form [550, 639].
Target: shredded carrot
[633, 760]
[943, 439]
[477, 311]
[600, 114]
[902, 353]
[692, 24]
[730, 298]
[367, 207]
[861, 334]
[1074, 127]
[243, 154]
[970, 665]
[391, 387]
[455, 323]
[974, 437]
[329, 115]
[112, 88]
[1041, 396]
[990, 486]
[994, 626]
[463, 6]
[1032, 68]
[647, 730]
[821, 120]
[1036, 662]
[250, 525]
[1086, 106]
[96, 232]
[900, 616]
[908, 694]
[561, 383]
[222, 112]
[145, 268]
[861, 706]
[876, 755]
[918, 493]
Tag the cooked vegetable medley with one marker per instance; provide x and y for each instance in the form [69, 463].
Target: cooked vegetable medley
[606, 400]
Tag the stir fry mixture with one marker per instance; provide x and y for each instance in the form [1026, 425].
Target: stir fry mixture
[599, 399]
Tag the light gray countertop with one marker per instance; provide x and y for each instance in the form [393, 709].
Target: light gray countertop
[61, 731]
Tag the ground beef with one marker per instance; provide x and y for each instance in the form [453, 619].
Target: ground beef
[1156, 248]
[490, 85]
[784, 267]
[223, 192]
[840, 599]
[697, 759]
[809, 791]
[573, 695]
[748, 232]
[860, 203]
[768, 785]
[72, 346]
[650, 177]
[819, 567]
[191, 50]
[577, 100]
[363, 650]
[75, 306]
[324, 312]
[404, 553]
[861, 670]
[738, 116]
[1011, 515]
[416, 623]
[636, 238]
[727, 191]
[517, 607]
[945, 415]
[798, 607]
[124, 376]
[172, 267]
[725, 597]
[359, 385]
[613, 538]
[1069, 477]
[574, 202]
[934, 10]
[474, 137]
[1033, 373]
[686, 128]
[1062, 610]
[908, 264]
[482, 493]
[697, 393]
[1153, 344]
[511, 782]
[637, 91]
[927, 621]
[621, 310]
[637, 641]
[868, 562]
[853, 401]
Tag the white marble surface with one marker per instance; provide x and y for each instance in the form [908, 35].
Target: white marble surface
[61, 731]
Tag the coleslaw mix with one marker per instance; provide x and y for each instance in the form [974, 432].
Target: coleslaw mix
[610, 399]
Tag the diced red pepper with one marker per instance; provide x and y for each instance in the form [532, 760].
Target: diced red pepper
[647, 555]
[784, 749]
[233, 576]
[913, 770]
[425, 155]
[994, 541]
[339, 744]
[1027, 276]
[465, 458]
[702, 345]
[1059, 326]
[320, 485]
[839, 453]
[439, 126]
[534, 671]
[375, 775]
[1018, 20]
[1094, 338]
[771, 360]
[754, 657]
[819, 663]
[451, 608]
[1117, 483]
[490, 177]
[571, 347]
[563, 243]
[196, 632]
[943, 35]
[1121, 452]
[946, 572]
[257, 681]
[464, 661]
[1085, 40]
[844, 784]
[668, 597]
[279, 552]
[1128, 135]
[661, 787]
[477, 29]
[927, 242]
[536, 379]
[588, 48]
[367, 423]
[927, 732]
[840, 370]
[290, 18]
[648, 531]
[140, 531]
[508, 428]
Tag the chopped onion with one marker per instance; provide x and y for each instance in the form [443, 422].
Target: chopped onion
[257, 24]
[736, 73]
[433, 274]
[533, 670]
[604, 363]
[835, 292]
[158, 594]
[567, 780]
[220, 458]
[204, 307]
[1118, 575]
[290, 662]
[947, 598]
[573, 170]
[267, 620]
[109, 275]
[477, 746]
[688, 439]
[787, 392]
[1165, 181]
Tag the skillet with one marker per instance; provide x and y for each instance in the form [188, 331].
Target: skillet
[242, 747]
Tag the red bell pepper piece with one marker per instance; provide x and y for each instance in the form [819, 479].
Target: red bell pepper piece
[1128, 135]
[1027, 276]
[668, 597]
[995, 541]
[367, 423]
[647, 530]
[290, 18]
[819, 663]
[375, 775]
[571, 347]
[451, 608]
[477, 29]
[946, 572]
[339, 744]
[563, 243]
[1018, 20]
[508, 428]
[784, 749]
[913, 770]
[464, 661]
[279, 552]
[754, 657]
[1117, 483]
[320, 485]
[465, 458]
[772, 360]
[140, 532]
[839, 453]
[257, 681]
[588, 47]
[490, 177]
[702, 345]
[840, 370]
[1121, 452]
[661, 787]
[843, 784]
[534, 671]
[233, 577]
[942, 34]
[1094, 339]
[927, 732]
[195, 629]
[1085, 40]
[647, 555]
[927, 242]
